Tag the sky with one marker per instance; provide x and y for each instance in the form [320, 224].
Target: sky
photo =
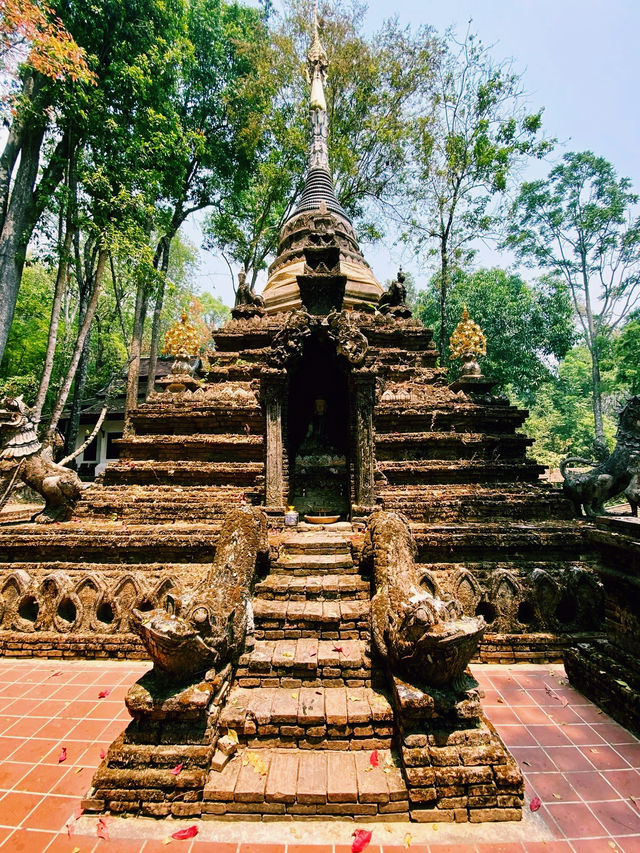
[580, 61]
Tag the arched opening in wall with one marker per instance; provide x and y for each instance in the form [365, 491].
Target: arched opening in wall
[29, 608]
[318, 432]
[67, 611]
[145, 605]
[105, 613]
[488, 610]
[526, 613]
[567, 609]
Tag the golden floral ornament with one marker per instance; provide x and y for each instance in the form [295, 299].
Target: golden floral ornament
[467, 340]
[182, 339]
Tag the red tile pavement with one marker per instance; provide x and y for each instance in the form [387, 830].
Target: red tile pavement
[584, 767]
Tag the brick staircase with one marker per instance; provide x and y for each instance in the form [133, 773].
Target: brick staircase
[302, 705]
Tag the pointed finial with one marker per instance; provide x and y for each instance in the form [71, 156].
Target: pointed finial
[317, 60]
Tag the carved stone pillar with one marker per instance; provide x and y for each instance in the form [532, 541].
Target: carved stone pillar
[272, 392]
[363, 398]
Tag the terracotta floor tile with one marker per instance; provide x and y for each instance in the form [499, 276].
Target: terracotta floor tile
[631, 752]
[549, 735]
[213, 847]
[41, 779]
[576, 820]
[54, 729]
[569, 758]
[595, 845]
[86, 729]
[438, 848]
[532, 759]
[593, 714]
[75, 782]
[617, 817]
[28, 841]
[26, 727]
[626, 782]
[630, 844]
[553, 787]
[563, 715]
[517, 736]
[605, 757]
[532, 715]
[14, 807]
[514, 847]
[501, 715]
[61, 843]
[11, 772]
[592, 786]
[613, 733]
[52, 813]
[582, 734]
[262, 848]
[547, 847]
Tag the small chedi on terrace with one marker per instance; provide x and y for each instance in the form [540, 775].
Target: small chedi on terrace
[286, 653]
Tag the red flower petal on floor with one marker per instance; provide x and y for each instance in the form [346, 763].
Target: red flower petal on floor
[103, 694]
[63, 755]
[102, 753]
[337, 648]
[373, 758]
[361, 837]
[175, 770]
[535, 804]
[182, 834]
[101, 830]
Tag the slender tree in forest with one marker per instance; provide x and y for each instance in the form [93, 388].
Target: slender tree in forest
[468, 139]
[581, 223]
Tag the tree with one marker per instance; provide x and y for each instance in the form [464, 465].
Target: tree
[467, 141]
[579, 223]
[372, 87]
[528, 328]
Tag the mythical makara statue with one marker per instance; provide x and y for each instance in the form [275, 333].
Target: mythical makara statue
[23, 457]
[247, 303]
[207, 627]
[613, 475]
[394, 300]
[420, 636]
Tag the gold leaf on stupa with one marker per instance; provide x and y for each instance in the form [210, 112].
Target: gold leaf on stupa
[182, 339]
[467, 339]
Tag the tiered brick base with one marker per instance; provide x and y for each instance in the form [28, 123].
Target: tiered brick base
[456, 766]
[159, 765]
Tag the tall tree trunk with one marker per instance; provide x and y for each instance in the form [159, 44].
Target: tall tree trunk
[131, 399]
[157, 315]
[80, 381]
[15, 233]
[11, 151]
[594, 351]
[444, 291]
[80, 341]
[61, 284]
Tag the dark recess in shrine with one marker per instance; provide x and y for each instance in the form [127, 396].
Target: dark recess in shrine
[318, 431]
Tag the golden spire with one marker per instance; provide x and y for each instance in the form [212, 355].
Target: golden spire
[318, 64]
[468, 339]
[182, 339]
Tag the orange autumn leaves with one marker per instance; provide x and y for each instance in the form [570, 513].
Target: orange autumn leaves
[30, 32]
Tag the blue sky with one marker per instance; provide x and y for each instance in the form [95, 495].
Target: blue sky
[581, 62]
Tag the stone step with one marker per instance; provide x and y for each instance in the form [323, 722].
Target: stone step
[473, 503]
[453, 472]
[310, 717]
[313, 542]
[501, 541]
[197, 447]
[308, 661]
[109, 542]
[313, 587]
[450, 445]
[329, 620]
[313, 563]
[306, 782]
[152, 503]
[417, 416]
[146, 472]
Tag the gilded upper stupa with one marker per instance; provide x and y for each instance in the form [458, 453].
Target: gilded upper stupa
[318, 217]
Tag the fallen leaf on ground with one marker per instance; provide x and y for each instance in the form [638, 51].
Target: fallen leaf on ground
[63, 755]
[373, 758]
[338, 649]
[103, 754]
[361, 838]
[557, 796]
[175, 770]
[500, 700]
[103, 694]
[535, 804]
[233, 734]
[636, 802]
[407, 840]
[78, 770]
[294, 695]
[54, 674]
[167, 840]
[101, 830]
[188, 832]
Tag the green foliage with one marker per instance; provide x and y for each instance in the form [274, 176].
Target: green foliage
[528, 328]
[626, 350]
